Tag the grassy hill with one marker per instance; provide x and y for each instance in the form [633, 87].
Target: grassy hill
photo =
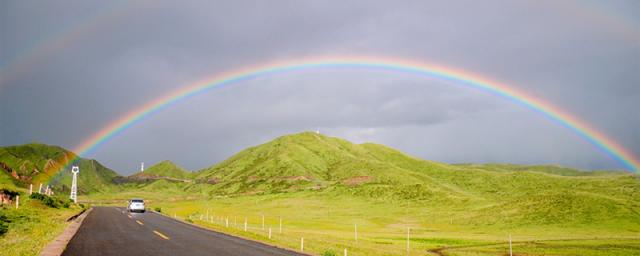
[165, 168]
[334, 167]
[39, 163]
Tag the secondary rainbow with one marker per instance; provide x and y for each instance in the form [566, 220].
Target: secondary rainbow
[593, 136]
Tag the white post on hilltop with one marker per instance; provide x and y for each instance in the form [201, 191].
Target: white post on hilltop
[280, 230]
[262, 221]
[74, 184]
[245, 224]
[510, 248]
[40, 189]
[227, 220]
[302, 244]
[345, 251]
[17, 202]
[30, 189]
[269, 232]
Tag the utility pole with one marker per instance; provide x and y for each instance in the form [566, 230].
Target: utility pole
[74, 184]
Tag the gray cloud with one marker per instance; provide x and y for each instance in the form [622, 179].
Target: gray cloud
[582, 61]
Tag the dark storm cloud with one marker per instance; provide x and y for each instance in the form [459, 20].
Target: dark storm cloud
[581, 61]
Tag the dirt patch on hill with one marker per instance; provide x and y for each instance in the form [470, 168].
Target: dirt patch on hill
[357, 180]
[295, 178]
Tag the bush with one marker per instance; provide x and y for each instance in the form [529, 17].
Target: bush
[4, 224]
[158, 209]
[47, 200]
[329, 253]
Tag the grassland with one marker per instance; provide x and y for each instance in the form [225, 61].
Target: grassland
[32, 225]
[327, 222]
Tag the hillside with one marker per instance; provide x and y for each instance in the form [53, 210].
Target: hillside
[39, 163]
[163, 170]
[336, 167]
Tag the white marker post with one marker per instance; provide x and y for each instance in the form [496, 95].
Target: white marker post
[510, 248]
[345, 251]
[302, 244]
[17, 202]
[269, 232]
[245, 224]
[40, 189]
[262, 221]
[355, 227]
[30, 189]
[408, 229]
[280, 229]
[227, 221]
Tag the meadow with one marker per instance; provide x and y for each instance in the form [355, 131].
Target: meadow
[32, 226]
[327, 221]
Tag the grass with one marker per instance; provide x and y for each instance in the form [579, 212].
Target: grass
[326, 220]
[32, 226]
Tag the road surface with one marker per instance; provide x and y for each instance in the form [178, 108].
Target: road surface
[113, 231]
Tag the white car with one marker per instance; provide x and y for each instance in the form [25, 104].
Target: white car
[136, 205]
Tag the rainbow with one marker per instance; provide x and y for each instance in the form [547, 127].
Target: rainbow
[591, 135]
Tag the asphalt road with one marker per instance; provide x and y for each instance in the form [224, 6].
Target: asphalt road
[113, 231]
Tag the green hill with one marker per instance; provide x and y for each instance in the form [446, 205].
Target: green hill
[39, 163]
[162, 170]
[336, 167]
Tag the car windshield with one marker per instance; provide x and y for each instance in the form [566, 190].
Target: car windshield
[137, 201]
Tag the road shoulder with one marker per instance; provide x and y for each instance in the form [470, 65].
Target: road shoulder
[57, 246]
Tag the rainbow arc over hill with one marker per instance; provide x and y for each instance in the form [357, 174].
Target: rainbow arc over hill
[598, 139]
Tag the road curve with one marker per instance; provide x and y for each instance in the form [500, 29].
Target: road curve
[113, 231]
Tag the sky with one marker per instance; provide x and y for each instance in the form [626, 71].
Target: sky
[69, 68]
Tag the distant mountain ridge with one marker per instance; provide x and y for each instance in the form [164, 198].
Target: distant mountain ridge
[37, 163]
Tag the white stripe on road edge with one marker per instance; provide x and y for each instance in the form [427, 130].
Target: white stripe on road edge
[140, 222]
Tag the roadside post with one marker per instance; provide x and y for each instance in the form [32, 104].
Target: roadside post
[17, 202]
[408, 230]
[355, 227]
[510, 248]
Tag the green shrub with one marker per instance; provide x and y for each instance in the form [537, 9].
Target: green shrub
[47, 200]
[158, 209]
[4, 224]
[329, 253]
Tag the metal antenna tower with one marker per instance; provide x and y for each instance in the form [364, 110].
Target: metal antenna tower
[74, 184]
